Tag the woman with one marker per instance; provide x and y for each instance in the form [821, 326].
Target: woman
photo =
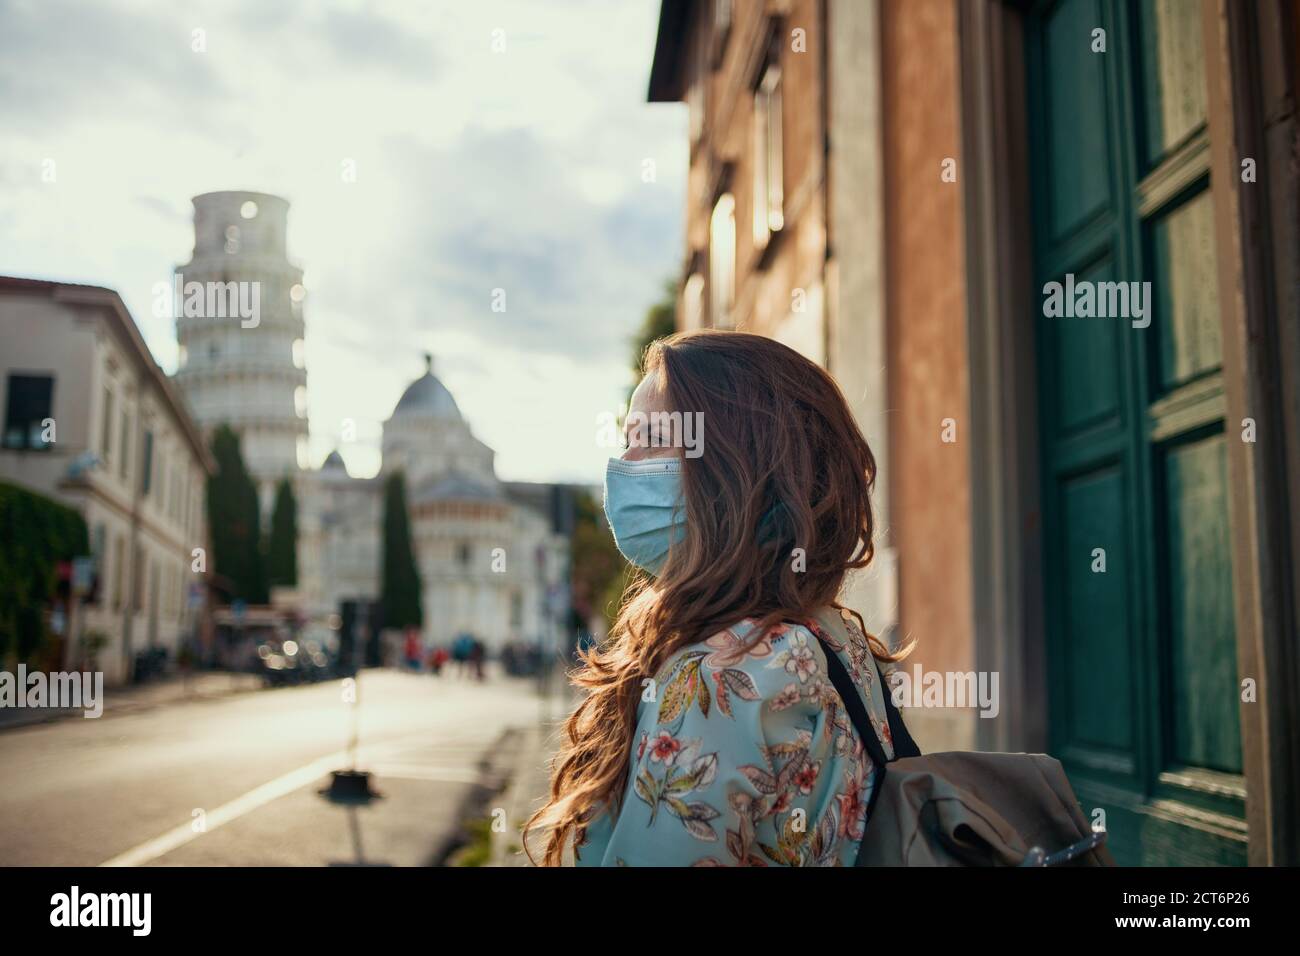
[710, 733]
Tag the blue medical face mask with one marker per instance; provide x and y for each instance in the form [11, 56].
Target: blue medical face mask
[645, 508]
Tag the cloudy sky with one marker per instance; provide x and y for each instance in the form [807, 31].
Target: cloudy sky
[476, 169]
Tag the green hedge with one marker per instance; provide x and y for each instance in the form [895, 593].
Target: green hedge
[35, 535]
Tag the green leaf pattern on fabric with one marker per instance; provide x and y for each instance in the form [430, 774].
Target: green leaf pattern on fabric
[746, 758]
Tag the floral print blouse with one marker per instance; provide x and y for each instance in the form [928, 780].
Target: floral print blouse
[746, 756]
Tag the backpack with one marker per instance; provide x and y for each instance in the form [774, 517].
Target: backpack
[961, 809]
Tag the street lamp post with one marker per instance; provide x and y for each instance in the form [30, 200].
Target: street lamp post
[352, 785]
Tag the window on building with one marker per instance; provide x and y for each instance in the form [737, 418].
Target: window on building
[697, 85]
[146, 464]
[139, 567]
[29, 403]
[153, 601]
[183, 601]
[99, 556]
[693, 301]
[722, 261]
[769, 193]
[126, 443]
[119, 573]
[106, 429]
[163, 481]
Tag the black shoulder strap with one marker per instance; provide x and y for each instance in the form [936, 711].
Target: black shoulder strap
[904, 745]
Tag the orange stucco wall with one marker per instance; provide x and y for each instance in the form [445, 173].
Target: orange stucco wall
[929, 480]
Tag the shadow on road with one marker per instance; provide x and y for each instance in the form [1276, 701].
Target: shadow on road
[352, 803]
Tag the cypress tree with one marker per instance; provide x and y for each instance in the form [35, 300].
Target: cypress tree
[235, 520]
[400, 589]
[282, 551]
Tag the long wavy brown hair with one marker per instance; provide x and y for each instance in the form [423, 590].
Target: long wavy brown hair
[784, 467]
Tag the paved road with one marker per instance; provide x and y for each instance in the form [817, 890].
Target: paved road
[236, 781]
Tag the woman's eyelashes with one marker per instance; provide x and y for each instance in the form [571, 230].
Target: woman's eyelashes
[635, 447]
[640, 438]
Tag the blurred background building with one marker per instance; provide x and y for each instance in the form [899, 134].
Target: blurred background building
[487, 560]
[123, 453]
[887, 186]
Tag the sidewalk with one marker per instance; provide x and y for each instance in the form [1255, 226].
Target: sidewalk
[529, 785]
[134, 698]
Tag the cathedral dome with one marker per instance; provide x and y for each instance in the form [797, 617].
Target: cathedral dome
[427, 396]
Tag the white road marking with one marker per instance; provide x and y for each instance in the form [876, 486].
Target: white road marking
[257, 797]
[281, 786]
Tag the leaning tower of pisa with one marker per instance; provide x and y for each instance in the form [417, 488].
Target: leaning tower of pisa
[245, 370]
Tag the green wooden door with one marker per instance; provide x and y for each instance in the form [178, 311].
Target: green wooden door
[1140, 635]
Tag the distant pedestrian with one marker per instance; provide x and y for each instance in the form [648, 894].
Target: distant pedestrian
[477, 653]
[414, 655]
[461, 649]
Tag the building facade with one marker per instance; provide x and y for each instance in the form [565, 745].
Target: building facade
[1097, 504]
[490, 561]
[122, 450]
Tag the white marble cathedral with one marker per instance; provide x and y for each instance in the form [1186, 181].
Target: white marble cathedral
[489, 562]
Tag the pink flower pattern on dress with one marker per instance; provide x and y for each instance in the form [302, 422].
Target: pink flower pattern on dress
[664, 748]
[746, 757]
